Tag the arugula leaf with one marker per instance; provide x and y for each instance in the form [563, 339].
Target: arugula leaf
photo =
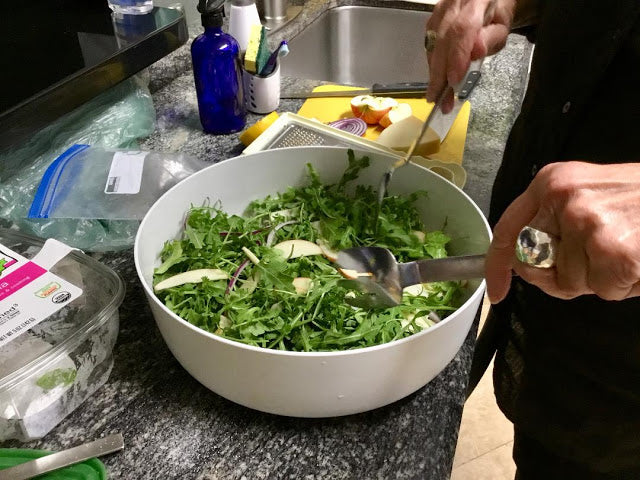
[59, 376]
[434, 244]
[352, 171]
[195, 237]
[174, 257]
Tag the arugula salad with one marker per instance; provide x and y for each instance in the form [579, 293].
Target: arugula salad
[267, 278]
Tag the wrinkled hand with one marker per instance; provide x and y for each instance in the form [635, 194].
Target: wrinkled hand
[594, 210]
[467, 30]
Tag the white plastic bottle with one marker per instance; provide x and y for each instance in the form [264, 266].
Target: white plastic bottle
[242, 15]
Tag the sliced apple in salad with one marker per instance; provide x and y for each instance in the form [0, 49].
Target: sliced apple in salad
[191, 276]
[420, 234]
[298, 248]
[353, 274]
[302, 285]
[328, 253]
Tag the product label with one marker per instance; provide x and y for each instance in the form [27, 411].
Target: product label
[125, 174]
[29, 293]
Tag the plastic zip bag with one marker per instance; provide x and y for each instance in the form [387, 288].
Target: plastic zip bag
[117, 118]
[89, 182]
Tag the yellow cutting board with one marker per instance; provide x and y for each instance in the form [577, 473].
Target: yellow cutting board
[328, 109]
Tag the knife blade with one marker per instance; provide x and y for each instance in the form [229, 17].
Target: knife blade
[441, 123]
[48, 463]
[398, 90]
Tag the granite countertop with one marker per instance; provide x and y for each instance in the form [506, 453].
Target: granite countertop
[176, 428]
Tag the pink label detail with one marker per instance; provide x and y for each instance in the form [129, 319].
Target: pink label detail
[19, 278]
[8, 262]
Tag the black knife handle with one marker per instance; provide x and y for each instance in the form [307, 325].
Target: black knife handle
[400, 90]
[417, 89]
[469, 82]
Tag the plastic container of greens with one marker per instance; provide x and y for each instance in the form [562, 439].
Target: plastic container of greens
[48, 369]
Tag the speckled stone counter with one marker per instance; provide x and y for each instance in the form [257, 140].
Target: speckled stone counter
[174, 428]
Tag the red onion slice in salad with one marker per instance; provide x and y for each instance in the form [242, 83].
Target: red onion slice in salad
[234, 277]
[272, 233]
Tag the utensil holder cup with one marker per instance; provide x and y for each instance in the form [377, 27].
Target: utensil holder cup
[262, 94]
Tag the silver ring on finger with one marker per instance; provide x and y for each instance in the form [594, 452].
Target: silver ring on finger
[536, 248]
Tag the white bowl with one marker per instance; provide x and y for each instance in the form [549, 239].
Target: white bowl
[303, 384]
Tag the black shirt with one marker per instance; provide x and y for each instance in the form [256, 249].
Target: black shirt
[568, 372]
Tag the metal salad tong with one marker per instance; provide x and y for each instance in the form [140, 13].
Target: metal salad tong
[381, 279]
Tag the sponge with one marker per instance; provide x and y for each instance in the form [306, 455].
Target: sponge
[257, 53]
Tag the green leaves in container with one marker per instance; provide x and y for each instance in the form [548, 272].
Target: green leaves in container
[58, 377]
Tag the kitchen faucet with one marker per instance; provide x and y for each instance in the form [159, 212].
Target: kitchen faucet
[276, 13]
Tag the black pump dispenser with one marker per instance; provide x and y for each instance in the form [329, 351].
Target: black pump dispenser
[211, 12]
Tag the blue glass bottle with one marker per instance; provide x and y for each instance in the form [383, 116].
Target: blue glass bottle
[217, 71]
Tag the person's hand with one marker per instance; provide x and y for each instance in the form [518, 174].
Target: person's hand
[466, 30]
[594, 211]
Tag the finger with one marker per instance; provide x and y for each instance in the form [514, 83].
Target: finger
[434, 23]
[437, 58]
[489, 41]
[437, 70]
[448, 101]
[459, 57]
[567, 279]
[434, 20]
[605, 285]
[464, 34]
[501, 251]
[614, 270]
[460, 42]
[634, 291]
[572, 265]
[543, 278]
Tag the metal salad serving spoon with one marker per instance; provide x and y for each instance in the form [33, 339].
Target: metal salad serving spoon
[381, 279]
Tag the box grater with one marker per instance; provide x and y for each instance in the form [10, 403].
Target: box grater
[298, 135]
[292, 130]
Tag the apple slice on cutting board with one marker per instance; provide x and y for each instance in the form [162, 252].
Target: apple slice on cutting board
[371, 109]
[400, 136]
[396, 114]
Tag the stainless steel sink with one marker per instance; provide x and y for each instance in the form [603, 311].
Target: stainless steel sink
[358, 45]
